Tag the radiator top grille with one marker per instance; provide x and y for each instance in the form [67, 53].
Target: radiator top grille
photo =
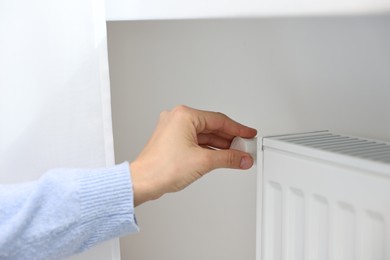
[378, 151]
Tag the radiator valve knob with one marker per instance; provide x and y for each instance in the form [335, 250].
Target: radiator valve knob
[245, 145]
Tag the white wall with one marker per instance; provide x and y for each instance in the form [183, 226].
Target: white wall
[54, 93]
[278, 75]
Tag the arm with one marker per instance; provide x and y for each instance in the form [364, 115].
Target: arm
[65, 212]
[68, 211]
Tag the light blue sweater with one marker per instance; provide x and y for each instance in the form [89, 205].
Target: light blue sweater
[65, 212]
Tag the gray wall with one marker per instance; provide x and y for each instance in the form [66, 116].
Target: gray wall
[278, 75]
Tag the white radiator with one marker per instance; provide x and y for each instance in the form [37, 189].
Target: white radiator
[323, 196]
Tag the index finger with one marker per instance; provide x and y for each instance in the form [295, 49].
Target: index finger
[223, 125]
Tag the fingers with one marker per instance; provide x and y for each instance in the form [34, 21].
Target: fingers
[228, 159]
[217, 123]
[223, 125]
[214, 141]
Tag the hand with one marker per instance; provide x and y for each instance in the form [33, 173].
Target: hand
[187, 144]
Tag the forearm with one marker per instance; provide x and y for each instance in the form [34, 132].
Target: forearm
[65, 212]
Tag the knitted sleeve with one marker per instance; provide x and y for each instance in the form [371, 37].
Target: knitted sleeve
[65, 212]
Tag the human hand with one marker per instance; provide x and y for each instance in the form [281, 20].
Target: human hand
[186, 144]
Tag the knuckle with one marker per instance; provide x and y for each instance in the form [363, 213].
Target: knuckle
[181, 112]
[207, 162]
[221, 114]
[163, 114]
[231, 159]
[180, 109]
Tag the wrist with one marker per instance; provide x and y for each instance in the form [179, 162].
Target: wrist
[143, 189]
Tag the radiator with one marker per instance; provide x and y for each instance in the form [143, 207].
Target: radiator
[323, 196]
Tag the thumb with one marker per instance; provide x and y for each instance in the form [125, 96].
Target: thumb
[233, 159]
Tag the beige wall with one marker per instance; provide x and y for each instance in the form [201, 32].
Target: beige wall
[278, 75]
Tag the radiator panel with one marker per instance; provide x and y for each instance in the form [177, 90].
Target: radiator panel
[321, 204]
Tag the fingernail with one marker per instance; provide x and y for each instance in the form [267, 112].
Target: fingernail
[246, 162]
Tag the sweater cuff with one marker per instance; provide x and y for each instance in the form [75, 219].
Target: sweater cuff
[107, 202]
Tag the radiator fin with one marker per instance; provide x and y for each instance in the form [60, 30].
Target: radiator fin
[274, 209]
[359, 147]
[345, 232]
[295, 225]
[319, 231]
[374, 235]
